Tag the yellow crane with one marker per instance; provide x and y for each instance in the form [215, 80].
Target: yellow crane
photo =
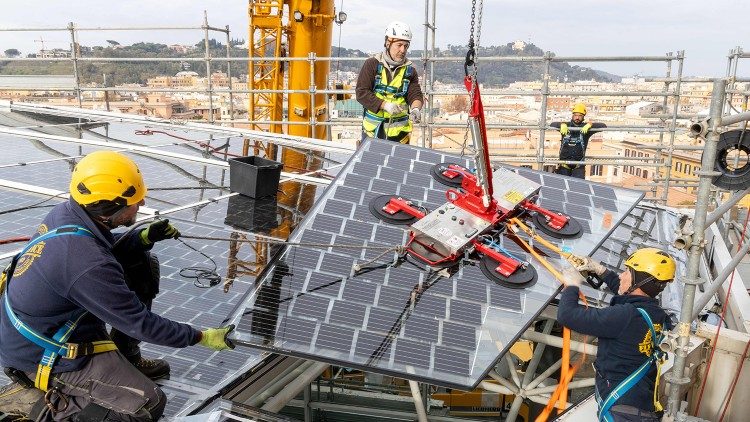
[297, 29]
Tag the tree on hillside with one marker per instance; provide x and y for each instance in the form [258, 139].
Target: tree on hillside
[113, 43]
[12, 52]
[212, 44]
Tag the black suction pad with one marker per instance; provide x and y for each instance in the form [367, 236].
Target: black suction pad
[521, 277]
[437, 173]
[571, 229]
[376, 208]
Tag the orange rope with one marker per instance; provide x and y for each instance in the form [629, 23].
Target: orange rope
[559, 398]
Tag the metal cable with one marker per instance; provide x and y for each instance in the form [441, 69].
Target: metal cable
[203, 277]
[272, 241]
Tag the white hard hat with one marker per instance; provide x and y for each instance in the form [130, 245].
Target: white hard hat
[398, 30]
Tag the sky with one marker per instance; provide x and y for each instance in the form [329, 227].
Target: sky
[706, 30]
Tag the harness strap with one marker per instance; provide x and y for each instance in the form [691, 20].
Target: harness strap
[625, 385]
[56, 346]
[397, 91]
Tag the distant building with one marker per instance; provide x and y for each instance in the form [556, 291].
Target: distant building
[180, 48]
[643, 108]
[348, 108]
[518, 45]
[53, 53]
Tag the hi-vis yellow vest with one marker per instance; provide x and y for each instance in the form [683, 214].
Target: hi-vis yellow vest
[396, 127]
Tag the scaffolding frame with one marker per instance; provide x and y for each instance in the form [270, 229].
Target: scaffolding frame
[724, 89]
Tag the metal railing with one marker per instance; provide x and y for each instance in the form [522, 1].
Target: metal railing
[723, 91]
[666, 125]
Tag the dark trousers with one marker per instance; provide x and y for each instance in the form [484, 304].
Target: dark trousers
[573, 170]
[142, 277]
[107, 388]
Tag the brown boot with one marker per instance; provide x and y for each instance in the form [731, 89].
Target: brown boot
[152, 368]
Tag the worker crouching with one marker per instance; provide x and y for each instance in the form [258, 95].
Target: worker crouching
[73, 278]
[629, 332]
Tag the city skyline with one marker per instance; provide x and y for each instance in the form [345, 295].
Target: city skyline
[585, 28]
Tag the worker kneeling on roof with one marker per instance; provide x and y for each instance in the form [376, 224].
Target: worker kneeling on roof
[74, 277]
[629, 332]
[388, 89]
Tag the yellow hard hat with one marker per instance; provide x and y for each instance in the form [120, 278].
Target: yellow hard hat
[654, 262]
[107, 176]
[579, 108]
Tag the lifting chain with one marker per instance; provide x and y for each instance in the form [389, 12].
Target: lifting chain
[471, 57]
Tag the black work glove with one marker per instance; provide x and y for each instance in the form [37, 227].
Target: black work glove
[159, 230]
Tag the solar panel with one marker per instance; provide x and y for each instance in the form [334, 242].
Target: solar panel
[396, 317]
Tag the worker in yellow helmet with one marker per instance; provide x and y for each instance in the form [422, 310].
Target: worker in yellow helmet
[388, 89]
[629, 331]
[73, 279]
[575, 136]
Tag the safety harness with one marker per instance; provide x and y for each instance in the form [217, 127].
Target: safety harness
[398, 126]
[572, 148]
[56, 346]
[657, 357]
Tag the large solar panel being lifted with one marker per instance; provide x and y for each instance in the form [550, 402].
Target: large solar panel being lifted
[396, 316]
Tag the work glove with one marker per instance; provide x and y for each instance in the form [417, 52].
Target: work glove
[159, 230]
[571, 276]
[392, 108]
[585, 128]
[590, 265]
[564, 129]
[415, 115]
[216, 338]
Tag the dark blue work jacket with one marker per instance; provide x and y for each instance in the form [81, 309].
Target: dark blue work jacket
[62, 275]
[624, 338]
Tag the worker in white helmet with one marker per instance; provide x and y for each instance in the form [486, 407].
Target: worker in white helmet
[388, 89]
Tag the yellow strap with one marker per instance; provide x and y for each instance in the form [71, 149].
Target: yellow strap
[42, 377]
[77, 350]
[44, 370]
[657, 404]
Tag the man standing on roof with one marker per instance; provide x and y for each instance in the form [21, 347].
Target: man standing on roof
[69, 282]
[629, 332]
[575, 139]
[388, 89]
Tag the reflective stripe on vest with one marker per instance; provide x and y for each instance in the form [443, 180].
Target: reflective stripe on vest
[398, 125]
[56, 346]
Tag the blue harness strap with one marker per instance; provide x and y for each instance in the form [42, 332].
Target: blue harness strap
[625, 385]
[56, 346]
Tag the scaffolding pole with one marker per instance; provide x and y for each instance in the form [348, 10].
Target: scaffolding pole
[676, 378]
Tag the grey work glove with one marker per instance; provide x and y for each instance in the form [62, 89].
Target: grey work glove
[392, 108]
[159, 230]
[571, 276]
[591, 266]
[415, 115]
[216, 338]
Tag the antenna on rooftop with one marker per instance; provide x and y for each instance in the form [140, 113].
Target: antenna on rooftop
[40, 40]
